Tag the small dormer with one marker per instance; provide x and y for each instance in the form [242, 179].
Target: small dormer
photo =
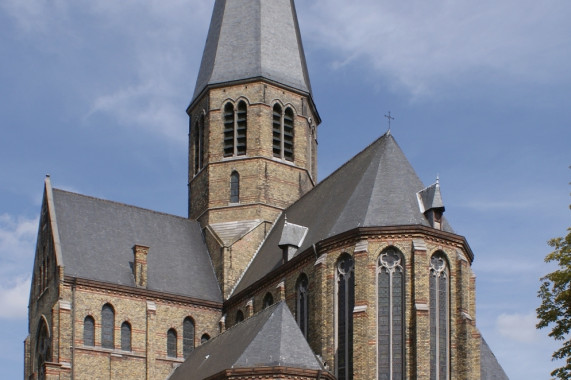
[291, 239]
[431, 205]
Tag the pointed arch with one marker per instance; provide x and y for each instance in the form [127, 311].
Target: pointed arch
[187, 336]
[345, 303]
[229, 129]
[234, 187]
[439, 317]
[107, 326]
[171, 343]
[277, 130]
[283, 132]
[288, 134]
[239, 316]
[126, 336]
[241, 128]
[390, 314]
[43, 347]
[302, 304]
[89, 331]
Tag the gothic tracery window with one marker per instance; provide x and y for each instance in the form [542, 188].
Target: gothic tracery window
[171, 343]
[187, 336]
[283, 133]
[107, 326]
[390, 315]
[89, 331]
[43, 348]
[439, 318]
[302, 315]
[345, 304]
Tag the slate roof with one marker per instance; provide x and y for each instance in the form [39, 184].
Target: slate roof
[251, 39]
[376, 188]
[490, 368]
[270, 338]
[97, 239]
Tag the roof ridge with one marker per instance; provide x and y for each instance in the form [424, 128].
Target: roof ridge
[122, 204]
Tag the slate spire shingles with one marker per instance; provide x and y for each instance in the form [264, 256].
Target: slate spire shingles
[252, 39]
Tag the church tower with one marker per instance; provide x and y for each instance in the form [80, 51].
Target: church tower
[253, 129]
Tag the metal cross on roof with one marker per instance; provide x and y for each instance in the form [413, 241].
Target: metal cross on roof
[389, 117]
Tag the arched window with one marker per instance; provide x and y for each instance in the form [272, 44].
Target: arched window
[345, 305]
[204, 338]
[390, 315]
[171, 343]
[239, 316]
[301, 304]
[268, 300]
[235, 129]
[187, 336]
[198, 137]
[229, 135]
[439, 317]
[89, 331]
[234, 187]
[126, 336]
[283, 133]
[43, 348]
[107, 326]
[241, 128]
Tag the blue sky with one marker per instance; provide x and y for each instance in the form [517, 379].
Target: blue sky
[94, 93]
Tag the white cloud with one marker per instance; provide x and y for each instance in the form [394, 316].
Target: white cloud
[14, 298]
[518, 327]
[423, 44]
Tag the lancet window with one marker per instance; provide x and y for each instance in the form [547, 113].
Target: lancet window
[439, 318]
[345, 304]
[107, 326]
[234, 187]
[43, 349]
[390, 315]
[89, 331]
[187, 336]
[283, 132]
[235, 129]
[268, 300]
[171, 343]
[125, 336]
[302, 312]
[198, 137]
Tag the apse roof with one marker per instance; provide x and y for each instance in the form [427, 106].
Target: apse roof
[270, 338]
[376, 188]
[97, 239]
[251, 39]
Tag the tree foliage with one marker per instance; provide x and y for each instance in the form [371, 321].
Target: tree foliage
[555, 308]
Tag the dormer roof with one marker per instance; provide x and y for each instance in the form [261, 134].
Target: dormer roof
[253, 39]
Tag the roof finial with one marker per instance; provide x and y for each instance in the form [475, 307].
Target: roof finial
[389, 117]
[437, 180]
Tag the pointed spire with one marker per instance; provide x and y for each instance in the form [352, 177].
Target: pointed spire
[253, 39]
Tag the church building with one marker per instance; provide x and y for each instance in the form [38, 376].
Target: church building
[272, 274]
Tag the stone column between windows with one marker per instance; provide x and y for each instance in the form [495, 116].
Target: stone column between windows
[364, 287]
[150, 335]
[419, 355]
[321, 317]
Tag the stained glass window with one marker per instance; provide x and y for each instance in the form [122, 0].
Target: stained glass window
[107, 326]
[439, 318]
[345, 306]
[390, 323]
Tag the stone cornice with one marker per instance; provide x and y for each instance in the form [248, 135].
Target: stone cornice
[141, 293]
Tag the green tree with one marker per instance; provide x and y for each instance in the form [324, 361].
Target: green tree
[555, 308]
